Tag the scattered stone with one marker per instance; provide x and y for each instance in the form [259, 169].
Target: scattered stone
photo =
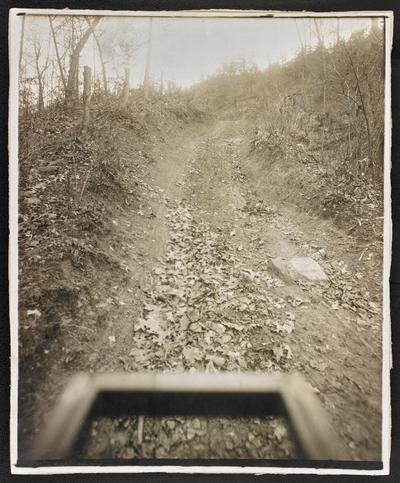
[298, 268]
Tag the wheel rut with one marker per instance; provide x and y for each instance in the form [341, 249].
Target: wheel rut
[212, 303]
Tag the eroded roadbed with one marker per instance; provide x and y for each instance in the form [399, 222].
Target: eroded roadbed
[215, 303]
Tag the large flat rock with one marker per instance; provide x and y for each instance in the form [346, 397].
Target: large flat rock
[298, 268]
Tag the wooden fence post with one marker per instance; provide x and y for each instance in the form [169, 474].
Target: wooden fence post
[87, 78]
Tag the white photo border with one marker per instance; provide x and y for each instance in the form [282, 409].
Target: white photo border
[15, 23]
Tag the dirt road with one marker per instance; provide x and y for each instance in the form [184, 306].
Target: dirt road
[201, 295]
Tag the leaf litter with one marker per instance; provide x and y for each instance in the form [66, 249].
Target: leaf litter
[203, 309]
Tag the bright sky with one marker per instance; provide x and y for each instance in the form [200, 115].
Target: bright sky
[186, 50]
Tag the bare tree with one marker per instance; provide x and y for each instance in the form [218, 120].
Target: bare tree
[60, 67]
[320, 37]
[146, 80]
[72, 80]
[40, 70]
[21, 48]
[303, 44]
[337, 30]
[87, 80]
[362, 106]
[103, 65]
[321, 46]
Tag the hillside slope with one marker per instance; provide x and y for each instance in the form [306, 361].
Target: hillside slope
[149, 243]
[87, 206]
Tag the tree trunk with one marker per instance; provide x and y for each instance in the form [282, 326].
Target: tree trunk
[40, 94]
[76, 89]
[21, 47]
[37, 50]
[103, 65]
[319, 35]
[87, 79]
[71, 90]
[62, 75]
[363, 110]
[338, 30]
[146, 80]
[321, 46]
[125, 91]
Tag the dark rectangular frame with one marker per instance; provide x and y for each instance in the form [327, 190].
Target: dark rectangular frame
[226, 394]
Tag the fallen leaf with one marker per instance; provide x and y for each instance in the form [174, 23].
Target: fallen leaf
[191, 354]
[196, 327]
[208, 336]
[320, 366]
[34, 312]
[280, 432]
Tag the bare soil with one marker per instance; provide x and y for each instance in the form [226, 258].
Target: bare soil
[199, 294]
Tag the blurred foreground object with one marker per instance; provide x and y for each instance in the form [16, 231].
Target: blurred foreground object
[236, 395]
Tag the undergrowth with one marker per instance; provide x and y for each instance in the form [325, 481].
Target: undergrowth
[70, 184]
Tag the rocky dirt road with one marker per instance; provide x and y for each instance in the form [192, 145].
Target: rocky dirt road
[201, 294]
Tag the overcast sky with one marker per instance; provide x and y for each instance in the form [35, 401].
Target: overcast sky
[186, 50]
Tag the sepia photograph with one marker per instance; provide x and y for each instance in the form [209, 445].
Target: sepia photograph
[200, 239]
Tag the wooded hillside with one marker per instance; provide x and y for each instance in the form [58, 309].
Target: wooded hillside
[155, 218]
[320, 113]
